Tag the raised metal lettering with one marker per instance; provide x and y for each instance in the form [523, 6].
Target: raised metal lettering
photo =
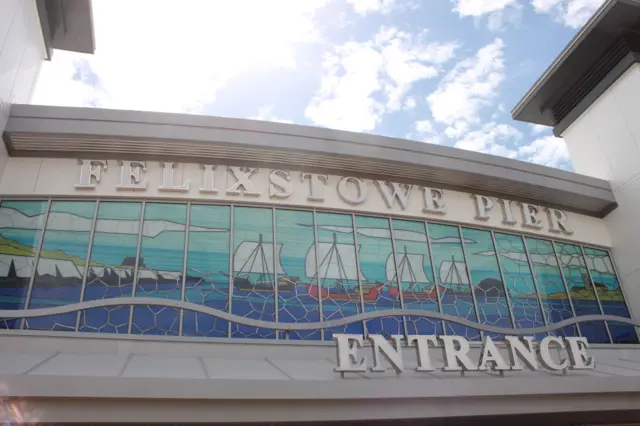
[483, 206]
[545, 353]
[456, 349]
[529, 214]
[90, 171]
[168, 182]
[401, 192]
[382, 347]
[422, 349]
[558, 222]
[347, 347]
[279, 184]
[491, 359]
[316, 193]
[433, 201]
[130, 176]
[243, 183]
[345, 193]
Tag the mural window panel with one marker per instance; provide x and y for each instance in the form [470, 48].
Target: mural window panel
[519, 282]
[160, 268]
[581, 291]
[414, 271]
[608, 287]
[207, 280]
[60, 268]
[298, 285]
[485, 277]
[379, 284]
[21, 223]
[338, 271]
[452, 278]
[555, 301]
[253, 270]
[111, 266]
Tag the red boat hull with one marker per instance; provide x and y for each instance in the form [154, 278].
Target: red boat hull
[432, 294]
[370, 296]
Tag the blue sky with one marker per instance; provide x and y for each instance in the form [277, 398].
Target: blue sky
[438, 71]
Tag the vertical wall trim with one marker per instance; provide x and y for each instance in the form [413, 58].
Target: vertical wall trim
[504, 282]
[231, 251]
[87, 259]
[535, 281]
[357, 249]
[276, 262]
[566, 287]
[394, 253]
[184, 264]
[315, 237]
[624, 296]
[471, 287]
[435, 278]
[595, 291]
[135, 267]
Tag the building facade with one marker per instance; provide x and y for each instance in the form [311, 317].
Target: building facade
[175, 268]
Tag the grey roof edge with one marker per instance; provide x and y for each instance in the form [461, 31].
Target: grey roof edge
[34, 130]
[67, 25]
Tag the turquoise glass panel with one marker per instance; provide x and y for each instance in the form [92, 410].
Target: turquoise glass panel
[339, 273]
[207, 281]
[414, 271]
[452, 277]
[111, 266]
[60, 269]
[21, 224]
[253, 270]
[298, 283]
[160, 268]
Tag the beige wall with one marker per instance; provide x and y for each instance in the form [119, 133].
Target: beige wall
[605, 143]
[38, 177]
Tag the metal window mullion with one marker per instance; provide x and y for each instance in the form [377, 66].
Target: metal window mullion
[36, 259]
[276, 260]
[357, 249]
[316, 248]
[468, 270]
[435, 279]
[87, 259]
[535, 280]
[398, 280]
[595, 291]
[136, 264]
[624, 296]
[504, 282]
[184, 264]
[230, 291]
[566, 287]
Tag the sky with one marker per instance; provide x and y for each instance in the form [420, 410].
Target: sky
[445, 72]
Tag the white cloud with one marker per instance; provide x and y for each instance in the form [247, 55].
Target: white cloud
[266, 114]
[492, 138]
[410, 103]
[177, 58]
[571, 13]
[424, 126]
[536, 129]
[499, 13]
[471, 84]
[363, 81]
[365, 7]
[548, 151]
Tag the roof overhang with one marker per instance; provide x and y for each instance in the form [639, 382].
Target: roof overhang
[44, 131]
[602, 51]
[67, 25]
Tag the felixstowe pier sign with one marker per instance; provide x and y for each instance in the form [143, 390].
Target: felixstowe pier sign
[206, 181]
[571, 353]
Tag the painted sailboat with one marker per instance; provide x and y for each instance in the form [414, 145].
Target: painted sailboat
[338, 262]
[410, 269]
[454, 277]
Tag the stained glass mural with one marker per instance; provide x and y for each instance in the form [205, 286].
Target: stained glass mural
[60, 268]
[295, 236]
[581, 291]
[452, 277]
[380, 286]
[486, 281]
[339, 271]
[254, 277]
[111, 266]
[21, 224]
[608, 288]
[519, 281]
[207, 281]
[415, 273]
[555, 302]
[160, 268]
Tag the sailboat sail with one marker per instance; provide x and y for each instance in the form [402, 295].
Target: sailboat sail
[410, 268]
[337, 262]
[597, 263]
[453, 272]
[248, 258]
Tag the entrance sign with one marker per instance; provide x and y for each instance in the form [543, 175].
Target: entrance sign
[518, 353]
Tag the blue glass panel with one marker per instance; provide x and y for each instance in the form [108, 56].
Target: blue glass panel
[338, 269]
[207, 280]
[60, 268]
[555, 302]
[111, 269]
[160, 268]
[298, 284]
[253, 270]
[581, 291]
[379, 283]
[20, 225]
[519, 280]
[608, 288]
[415, 273]
[452, 277]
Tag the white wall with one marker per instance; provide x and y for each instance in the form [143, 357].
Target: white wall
[22, 51]
[605, 143]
